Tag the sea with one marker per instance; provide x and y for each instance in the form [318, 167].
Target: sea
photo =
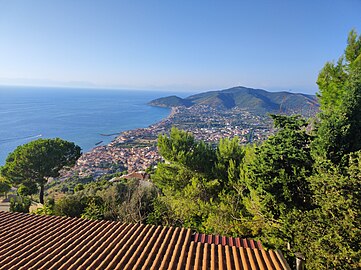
[87, 117]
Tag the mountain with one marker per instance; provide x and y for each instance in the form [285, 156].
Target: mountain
[255, 100]
[170, 101]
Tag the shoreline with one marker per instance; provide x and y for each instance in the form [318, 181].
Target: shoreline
[119, 134]
[136, 149]
[73, 115]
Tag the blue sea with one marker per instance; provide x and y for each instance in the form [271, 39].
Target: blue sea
[82, 116]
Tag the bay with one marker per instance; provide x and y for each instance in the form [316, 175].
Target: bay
[82, 116]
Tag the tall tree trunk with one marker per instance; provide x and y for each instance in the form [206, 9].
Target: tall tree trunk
[41, 194]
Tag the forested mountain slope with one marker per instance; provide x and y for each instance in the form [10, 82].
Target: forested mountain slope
[255, 100]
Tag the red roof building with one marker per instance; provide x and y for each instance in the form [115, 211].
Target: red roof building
[52, 242]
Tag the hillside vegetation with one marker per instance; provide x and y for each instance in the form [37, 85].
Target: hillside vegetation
[254, 100]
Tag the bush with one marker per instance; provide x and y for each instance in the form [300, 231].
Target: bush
[70, 206]
[20, 204]
[47, 209]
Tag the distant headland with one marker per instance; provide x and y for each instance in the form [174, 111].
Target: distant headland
[256, 100]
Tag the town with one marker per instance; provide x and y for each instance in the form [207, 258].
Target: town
[136, 150]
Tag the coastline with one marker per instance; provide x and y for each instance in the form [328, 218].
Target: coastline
[132, 150]
[79, 116]
[136, 149]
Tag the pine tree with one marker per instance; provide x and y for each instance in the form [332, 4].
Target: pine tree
[339, 126]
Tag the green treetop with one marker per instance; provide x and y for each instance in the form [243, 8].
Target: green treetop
[284, 162]
[38, 160]
[339, 94]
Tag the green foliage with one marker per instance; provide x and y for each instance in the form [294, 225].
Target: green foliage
[193, 179]
[229, 158]
[331, 86]
[47, 209]
[129, 201]
[66, 186]
[78, 187]
[225, 217]
[339, 129]
[27, 188]
[161, 214]
[181, 148]
[172, 176]
[136, 201]
[20, 204]
[38, 160]
[4, 185]
[70, 206]
[93, 210]
[353, 49]
[171, 101]
[330, 234]
[279, 173]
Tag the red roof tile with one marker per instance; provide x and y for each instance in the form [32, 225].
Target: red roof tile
[50, 242]
[230, 241]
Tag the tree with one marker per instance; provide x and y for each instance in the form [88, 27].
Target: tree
[283, 164]
[70, 206]
[339, 94]
[229, 158]
[38, 160]
[4, 186]
[197, 182]
[181, 148]
[274, 181]
[330, 234]
[20, 204]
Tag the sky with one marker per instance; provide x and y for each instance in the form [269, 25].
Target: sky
[173, 45]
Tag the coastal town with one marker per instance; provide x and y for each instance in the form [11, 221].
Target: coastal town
[136, 150]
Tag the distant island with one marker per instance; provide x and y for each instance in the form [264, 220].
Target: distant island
[257, 101]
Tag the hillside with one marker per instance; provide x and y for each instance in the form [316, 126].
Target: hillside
[255, 100]
[171, 101]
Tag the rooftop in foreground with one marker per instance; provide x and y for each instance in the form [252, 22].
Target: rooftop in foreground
[51, 242]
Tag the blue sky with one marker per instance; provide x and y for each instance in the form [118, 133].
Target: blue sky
[173, 45]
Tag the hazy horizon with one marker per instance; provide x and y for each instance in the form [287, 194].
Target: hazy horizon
[167, 92]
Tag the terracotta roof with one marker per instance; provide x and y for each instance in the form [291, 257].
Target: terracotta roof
[230, 241]
[51, 242]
